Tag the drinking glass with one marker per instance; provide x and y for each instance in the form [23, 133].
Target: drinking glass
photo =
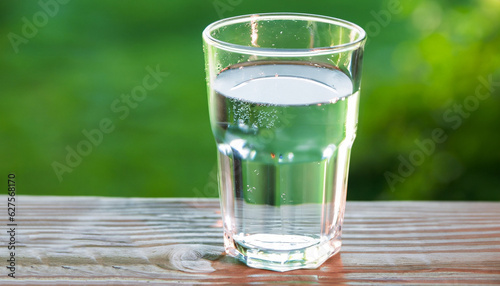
[283, 92]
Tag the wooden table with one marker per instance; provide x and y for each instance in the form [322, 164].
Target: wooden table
[130, 241]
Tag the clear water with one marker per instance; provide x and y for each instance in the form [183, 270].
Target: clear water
[284, 134]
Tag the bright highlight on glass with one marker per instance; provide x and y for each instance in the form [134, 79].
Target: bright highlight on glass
[283, 93]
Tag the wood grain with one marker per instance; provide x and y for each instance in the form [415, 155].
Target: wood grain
[131, 241]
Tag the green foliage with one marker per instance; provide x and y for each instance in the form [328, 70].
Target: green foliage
[420, 63]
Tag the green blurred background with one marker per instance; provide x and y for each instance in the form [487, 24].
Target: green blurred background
[63, 66]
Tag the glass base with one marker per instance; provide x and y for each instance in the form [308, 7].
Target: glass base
[281, 252]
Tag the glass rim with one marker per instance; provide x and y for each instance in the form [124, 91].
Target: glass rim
[283, 52]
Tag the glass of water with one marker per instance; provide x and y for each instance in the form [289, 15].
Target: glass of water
[283, 91]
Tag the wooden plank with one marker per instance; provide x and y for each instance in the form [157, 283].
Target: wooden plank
[130, 241]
